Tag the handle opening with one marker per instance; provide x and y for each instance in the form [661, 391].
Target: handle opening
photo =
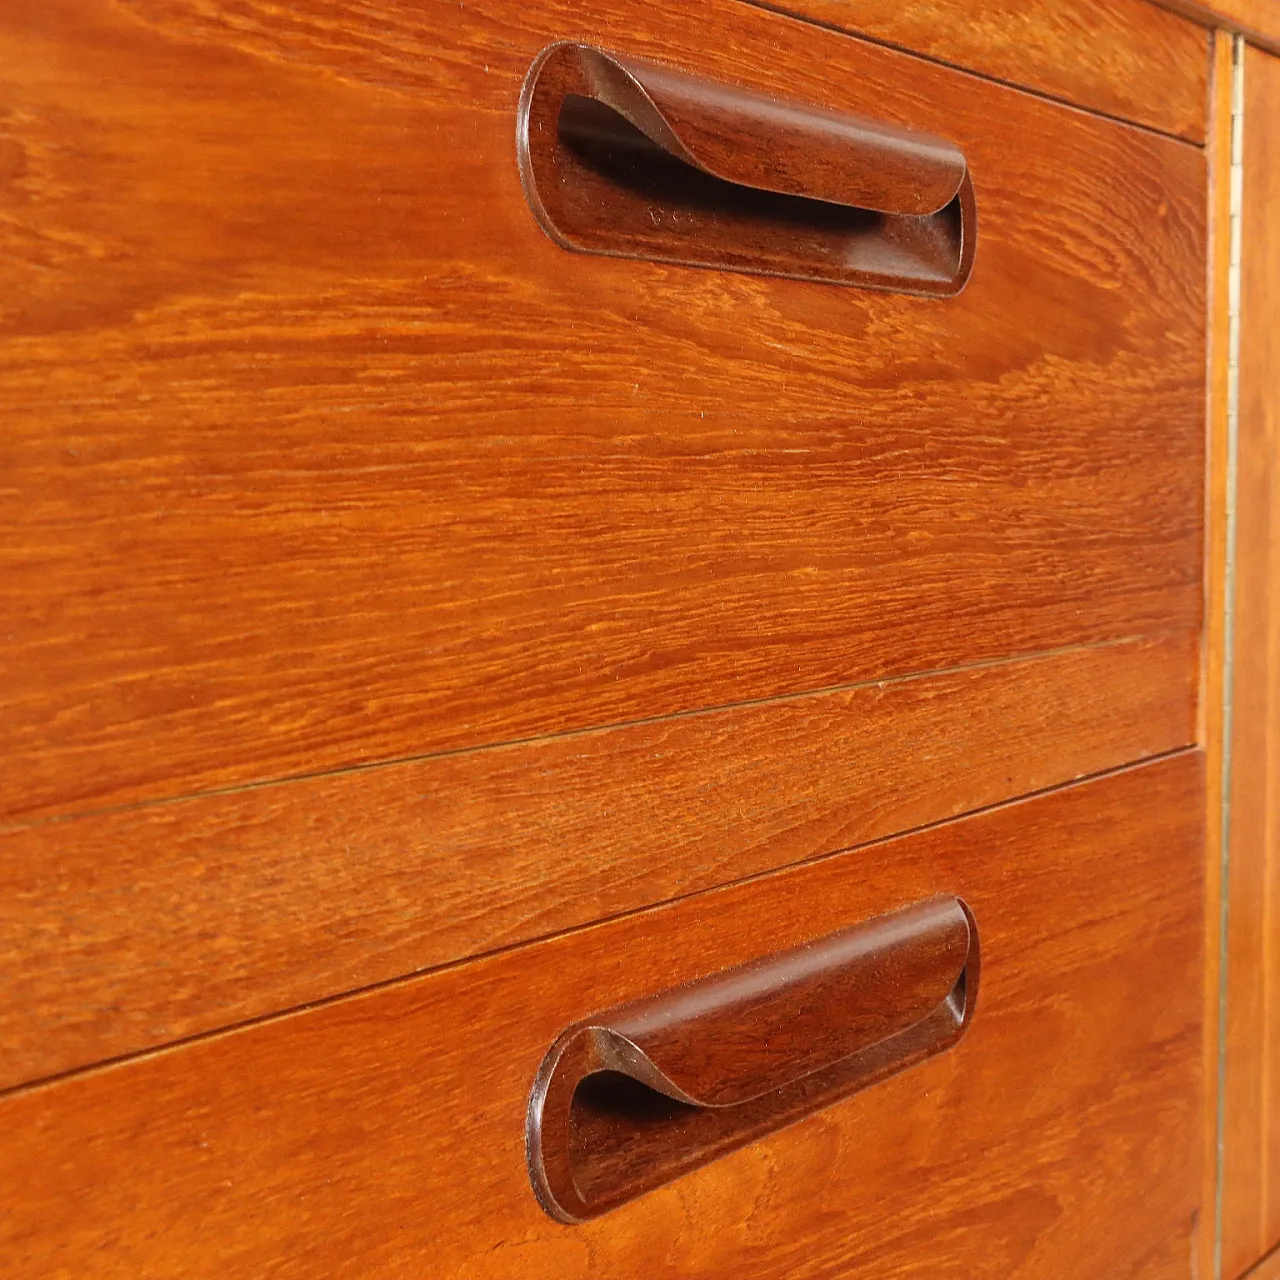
[646, 1092]
[618, 1125]
[624, 158]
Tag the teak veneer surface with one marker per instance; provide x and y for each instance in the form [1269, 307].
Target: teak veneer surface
[1127, 58]
[314, 451]
[125, 930]
[385, 1132]
[1251, 1079]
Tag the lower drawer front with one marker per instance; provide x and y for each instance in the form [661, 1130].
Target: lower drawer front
[383, 1135]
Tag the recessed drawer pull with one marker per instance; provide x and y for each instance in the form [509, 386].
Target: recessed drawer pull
[632, 159]
[644, 1092]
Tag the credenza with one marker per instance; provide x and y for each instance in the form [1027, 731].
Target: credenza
[638, 641]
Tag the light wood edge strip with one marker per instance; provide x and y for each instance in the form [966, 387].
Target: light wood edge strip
[144, 927]
[1212, 710]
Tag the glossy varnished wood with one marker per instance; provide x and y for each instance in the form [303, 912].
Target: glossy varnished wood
[316, 452]
[1127, 58]
[1057, 1140]
[1251, 1082]
[126, 930]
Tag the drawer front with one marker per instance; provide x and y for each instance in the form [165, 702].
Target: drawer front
[1056, 1140]
[317, 451]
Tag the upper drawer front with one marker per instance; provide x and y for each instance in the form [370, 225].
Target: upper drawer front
[317, 450]
[383, 1135]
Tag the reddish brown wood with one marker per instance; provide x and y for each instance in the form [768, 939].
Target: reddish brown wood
[638, 160]
[1057, 1140]
[1251, 1081]
[316, 452]
[1123, 57]
[126, 930]
[633, 1097]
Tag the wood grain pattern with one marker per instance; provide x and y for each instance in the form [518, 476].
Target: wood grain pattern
[1126, 59]
[1251, 1085]
[126, 930]
[315, 452]
[1214, 652]
[1057, 1140]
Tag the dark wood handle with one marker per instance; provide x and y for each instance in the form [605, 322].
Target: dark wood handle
[644, 1092]
[632, 159]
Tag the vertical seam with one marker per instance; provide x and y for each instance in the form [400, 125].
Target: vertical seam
[1228, 627]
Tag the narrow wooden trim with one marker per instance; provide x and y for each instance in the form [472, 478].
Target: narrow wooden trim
[1214, 709]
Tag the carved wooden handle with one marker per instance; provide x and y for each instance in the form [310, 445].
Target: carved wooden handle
[647, 1091]
[632, 159]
